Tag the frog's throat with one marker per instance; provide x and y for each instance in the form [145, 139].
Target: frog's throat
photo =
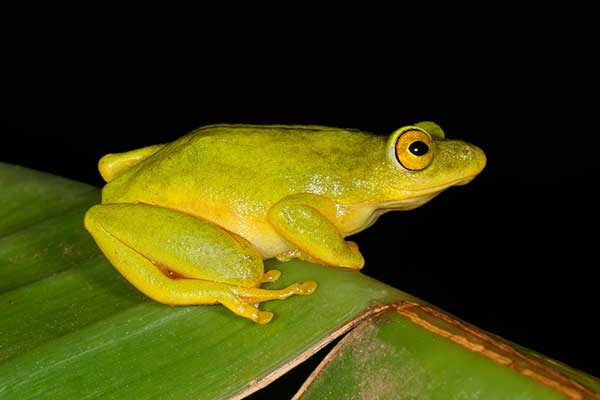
[412, 199]
[406, 204]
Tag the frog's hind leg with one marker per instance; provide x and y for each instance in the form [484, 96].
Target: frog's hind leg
[195, 292]
[139, 240]
[271, 276]
[258, 295]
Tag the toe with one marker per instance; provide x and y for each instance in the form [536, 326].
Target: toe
[306, 288]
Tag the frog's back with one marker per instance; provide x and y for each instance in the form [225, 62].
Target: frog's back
[219, 163]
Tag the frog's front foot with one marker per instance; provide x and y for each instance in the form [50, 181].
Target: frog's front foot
[299, 254]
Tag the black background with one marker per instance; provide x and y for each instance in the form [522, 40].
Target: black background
[514, 252]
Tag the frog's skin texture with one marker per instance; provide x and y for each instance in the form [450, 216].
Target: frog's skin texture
[190, 222]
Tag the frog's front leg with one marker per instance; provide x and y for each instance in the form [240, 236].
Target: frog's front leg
[308, 222]
[178, 259]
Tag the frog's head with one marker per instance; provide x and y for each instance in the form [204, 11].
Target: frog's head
[422, 163]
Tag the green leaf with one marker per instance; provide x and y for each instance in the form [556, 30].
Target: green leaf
[72, 327]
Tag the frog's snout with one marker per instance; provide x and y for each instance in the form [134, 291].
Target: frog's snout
[474, 157]
[479, 157]
[470, 160]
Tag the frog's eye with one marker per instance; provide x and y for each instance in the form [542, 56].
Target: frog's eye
[414, 150]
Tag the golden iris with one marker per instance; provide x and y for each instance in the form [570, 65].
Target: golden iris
[414, 150]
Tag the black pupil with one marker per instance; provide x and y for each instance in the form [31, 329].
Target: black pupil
[418, 148]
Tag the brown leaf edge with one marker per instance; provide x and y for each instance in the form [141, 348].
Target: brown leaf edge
[462, 334]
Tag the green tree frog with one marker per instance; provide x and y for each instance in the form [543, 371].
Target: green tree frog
[190, 222]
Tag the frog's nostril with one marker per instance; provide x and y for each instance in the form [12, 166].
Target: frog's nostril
[465, 153]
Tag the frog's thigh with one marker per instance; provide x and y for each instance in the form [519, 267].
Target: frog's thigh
[300, 222]
[178, 243]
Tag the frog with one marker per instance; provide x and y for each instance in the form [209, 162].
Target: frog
[191, 222]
